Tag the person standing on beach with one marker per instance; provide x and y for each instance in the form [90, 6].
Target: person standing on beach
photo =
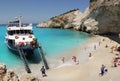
[115, 60]
[74, 58]
[43, 71]
[90, 54]
[63, 59]
[94, 47]
[102, 70]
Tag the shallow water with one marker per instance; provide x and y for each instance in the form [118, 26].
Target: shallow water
[53, 41]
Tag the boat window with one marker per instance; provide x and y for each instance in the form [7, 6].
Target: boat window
[14, 24]
[21, 31]
[17, 31]
[30, 32]
[11, 42]
[11, 32]
[25, 31]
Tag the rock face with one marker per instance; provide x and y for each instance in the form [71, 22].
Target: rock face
[102, 17]
[9, 75]
[65, 20]
[28, 77]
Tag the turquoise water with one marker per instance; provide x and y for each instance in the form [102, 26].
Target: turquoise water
[53, 41]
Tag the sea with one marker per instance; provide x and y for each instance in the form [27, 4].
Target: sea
[53, 41]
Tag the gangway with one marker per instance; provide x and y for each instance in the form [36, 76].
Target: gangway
[40, 50]
[22, 55]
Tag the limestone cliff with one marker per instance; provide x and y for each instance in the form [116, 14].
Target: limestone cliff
[69, 19]
[9, 75]
[104, 17]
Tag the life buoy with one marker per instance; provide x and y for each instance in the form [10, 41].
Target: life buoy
[30, 36]
[16, 37]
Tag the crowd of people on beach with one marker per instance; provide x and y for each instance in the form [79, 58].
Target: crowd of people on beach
[74, 58]
[115, 61]
[103, 69]
[116, 58]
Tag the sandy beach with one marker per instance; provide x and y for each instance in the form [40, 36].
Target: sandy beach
[86, 68]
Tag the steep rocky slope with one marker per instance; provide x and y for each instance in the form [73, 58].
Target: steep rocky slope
[65, 20]
[102, 17]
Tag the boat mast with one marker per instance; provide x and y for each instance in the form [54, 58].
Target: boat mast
[19, 18]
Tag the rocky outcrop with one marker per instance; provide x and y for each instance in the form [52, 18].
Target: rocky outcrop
[65, 20]
[9, 75]
[28, 77]
[104, 17]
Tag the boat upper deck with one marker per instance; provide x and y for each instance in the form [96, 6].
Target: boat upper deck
[29, 27]
[17, 25]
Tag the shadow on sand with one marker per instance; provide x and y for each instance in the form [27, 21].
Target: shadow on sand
[113, 37]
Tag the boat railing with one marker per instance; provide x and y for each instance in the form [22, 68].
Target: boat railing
[17, 25]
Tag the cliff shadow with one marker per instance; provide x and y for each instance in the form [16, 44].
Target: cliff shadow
[113, 37]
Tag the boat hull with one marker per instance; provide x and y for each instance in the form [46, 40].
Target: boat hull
[27, 50]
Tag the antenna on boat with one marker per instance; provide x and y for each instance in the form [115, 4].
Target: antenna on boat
[19, 19]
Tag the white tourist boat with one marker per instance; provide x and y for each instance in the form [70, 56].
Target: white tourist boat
[20, 36]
